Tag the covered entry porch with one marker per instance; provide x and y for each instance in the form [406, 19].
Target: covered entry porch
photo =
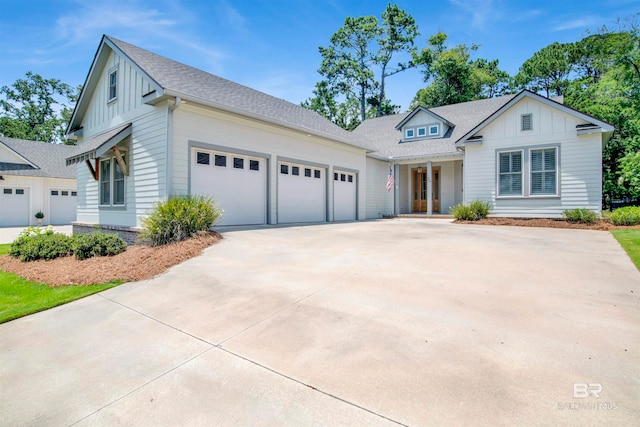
[428, 186]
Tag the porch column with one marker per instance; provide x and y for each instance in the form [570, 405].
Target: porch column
[396, 189]
[429, 189]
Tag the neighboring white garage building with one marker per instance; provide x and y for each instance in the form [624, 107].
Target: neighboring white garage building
[33, 177]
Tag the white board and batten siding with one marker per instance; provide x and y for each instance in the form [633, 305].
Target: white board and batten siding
[218, 130]
[147, 146]
[579, 162]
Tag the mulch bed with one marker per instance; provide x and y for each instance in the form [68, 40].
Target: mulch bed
[549, 223]
[137, 262]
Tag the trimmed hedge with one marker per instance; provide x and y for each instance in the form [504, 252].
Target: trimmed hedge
[179, 218]
[96, 244]
[35, 243]
[580, 215]
[628, 215]
[474, 211]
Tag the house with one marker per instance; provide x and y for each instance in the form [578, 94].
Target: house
[149, 128]
[33, 178]
[528, 156]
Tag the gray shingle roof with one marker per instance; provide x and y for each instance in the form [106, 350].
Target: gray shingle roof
[196, 84]
[97, 145]
[49, 159]
[381, 136]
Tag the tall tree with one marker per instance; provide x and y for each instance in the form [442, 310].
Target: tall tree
[397, 34]
[549, 68]
[36, 108]
[358, 59]
[452, 75]
[347, 61]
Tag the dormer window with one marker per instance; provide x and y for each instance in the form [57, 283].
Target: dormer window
[422, 131]
[113, 84]
[409, 133]
[434, 130]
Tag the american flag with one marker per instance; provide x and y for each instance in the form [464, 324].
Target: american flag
[390, 180]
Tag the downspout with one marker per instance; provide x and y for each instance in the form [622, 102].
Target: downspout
[169, 152]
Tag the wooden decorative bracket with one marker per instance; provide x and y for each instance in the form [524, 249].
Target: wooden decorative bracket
[95, 172]
[117, 152]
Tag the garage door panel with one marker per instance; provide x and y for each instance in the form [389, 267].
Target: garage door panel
[239, 188]
[344, 196]
[14, 206]
[62, 206]
[302, 197]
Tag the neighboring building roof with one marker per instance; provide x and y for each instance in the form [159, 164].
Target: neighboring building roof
[43, 159]
[384, 139]
[175, 79]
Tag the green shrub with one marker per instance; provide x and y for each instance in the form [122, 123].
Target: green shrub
[179, 218]
[40, 246]
[96, 244]
[474, 211]
[580, 215]
[628, 215]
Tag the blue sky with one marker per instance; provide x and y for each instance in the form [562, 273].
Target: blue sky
[272, 45]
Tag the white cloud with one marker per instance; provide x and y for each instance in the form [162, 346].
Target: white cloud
[134, 21]
[583, 23]
[481, 11]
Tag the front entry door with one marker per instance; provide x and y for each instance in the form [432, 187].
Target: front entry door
[419, 190]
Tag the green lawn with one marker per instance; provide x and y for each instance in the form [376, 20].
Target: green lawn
[630, 241]
[20, 297]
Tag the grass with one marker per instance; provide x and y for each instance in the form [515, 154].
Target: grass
[630, 242]
[20, 297]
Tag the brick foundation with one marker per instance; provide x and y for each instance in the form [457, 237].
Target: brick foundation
[128, 234]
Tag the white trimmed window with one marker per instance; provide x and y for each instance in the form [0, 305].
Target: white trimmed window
[434, 130]
[409, 133]
[422, 131]
[510, 173]
[544, 169]
[111, 183]
[113, 85]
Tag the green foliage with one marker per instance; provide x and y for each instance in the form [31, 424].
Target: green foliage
[630, 173]
[36, 243]
[580, 215]
[179, 218]
[40, 246]
[20, 297]
[549, 68]
[361, 49]
[36, 109]
[96, 244]
[628, 215]
[454, 77]
[474, 211]
[630, 242]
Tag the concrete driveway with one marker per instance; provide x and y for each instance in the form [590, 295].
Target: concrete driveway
[417, 322]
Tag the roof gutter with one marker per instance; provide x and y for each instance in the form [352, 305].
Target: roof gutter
[169, 148]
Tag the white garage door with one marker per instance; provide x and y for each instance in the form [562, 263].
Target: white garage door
[237, 184]
[344, 196]
[301, 193]
[62, 206]
[14, 206]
